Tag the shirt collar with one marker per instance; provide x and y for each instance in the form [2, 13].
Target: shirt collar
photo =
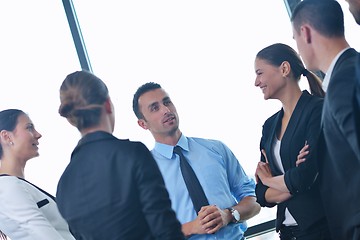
[167, 150]
[327, 77]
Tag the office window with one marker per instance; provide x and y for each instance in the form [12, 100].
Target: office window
[202, 52]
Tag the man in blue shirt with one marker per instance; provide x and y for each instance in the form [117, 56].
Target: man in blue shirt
[230, 192]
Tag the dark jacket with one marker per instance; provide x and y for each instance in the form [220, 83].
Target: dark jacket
[340, 168]
[357, 99]
[113, 189]
[304, 125]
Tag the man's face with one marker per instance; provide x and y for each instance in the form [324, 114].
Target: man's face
[354, 7]
[160, 115]
[304, 46]
[299, 43]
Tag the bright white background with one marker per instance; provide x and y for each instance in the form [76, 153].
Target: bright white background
[202, 52]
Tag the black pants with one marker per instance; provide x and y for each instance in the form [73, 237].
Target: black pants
[294, 233]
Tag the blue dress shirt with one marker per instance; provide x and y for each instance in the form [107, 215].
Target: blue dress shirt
[223, 179]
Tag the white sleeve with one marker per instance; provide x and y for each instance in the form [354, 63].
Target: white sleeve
[20, 217]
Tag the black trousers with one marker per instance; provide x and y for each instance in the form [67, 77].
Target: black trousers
[294, 233]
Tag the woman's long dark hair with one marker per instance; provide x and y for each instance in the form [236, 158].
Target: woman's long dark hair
[277, 53]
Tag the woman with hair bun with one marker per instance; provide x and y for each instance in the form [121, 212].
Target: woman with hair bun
[112, 188]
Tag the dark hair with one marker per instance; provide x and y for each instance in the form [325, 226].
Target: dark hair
[140, 91]
[277, 53]
[325, 16]
[82, 95]
[8, 121]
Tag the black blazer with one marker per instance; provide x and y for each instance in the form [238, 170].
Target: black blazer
[340, 168]
[304, 125]
[357, 99]
[113, 189]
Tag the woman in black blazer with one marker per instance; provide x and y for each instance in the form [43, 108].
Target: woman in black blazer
[112, 188]
[281, 179]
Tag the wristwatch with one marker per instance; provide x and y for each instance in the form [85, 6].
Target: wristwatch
[235, 214]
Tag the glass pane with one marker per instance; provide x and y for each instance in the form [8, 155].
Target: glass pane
[202, 52]
[37, 52]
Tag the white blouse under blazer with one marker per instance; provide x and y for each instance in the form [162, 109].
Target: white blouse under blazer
[29, 213]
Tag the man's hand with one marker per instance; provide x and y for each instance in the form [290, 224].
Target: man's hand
[213, 218]
[209, 220]
[193, 227]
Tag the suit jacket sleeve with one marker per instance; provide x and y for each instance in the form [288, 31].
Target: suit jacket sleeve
[341, 110]
[260, 188]
[301, 178]
[154, 197]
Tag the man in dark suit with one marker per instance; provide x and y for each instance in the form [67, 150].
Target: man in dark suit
[318, 29]
[354, 7]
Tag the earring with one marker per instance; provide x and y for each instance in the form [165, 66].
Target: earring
[11, 143]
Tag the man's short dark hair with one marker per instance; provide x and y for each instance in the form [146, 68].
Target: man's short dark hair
[325, 16]
[140, 91]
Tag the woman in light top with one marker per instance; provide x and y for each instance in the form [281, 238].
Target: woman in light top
[26, 211]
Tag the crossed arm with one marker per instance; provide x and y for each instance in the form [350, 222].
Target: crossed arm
[277, 191]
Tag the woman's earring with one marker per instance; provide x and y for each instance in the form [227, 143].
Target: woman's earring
[11, 143]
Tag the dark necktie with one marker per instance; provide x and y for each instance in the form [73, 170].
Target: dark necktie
[196, 192]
